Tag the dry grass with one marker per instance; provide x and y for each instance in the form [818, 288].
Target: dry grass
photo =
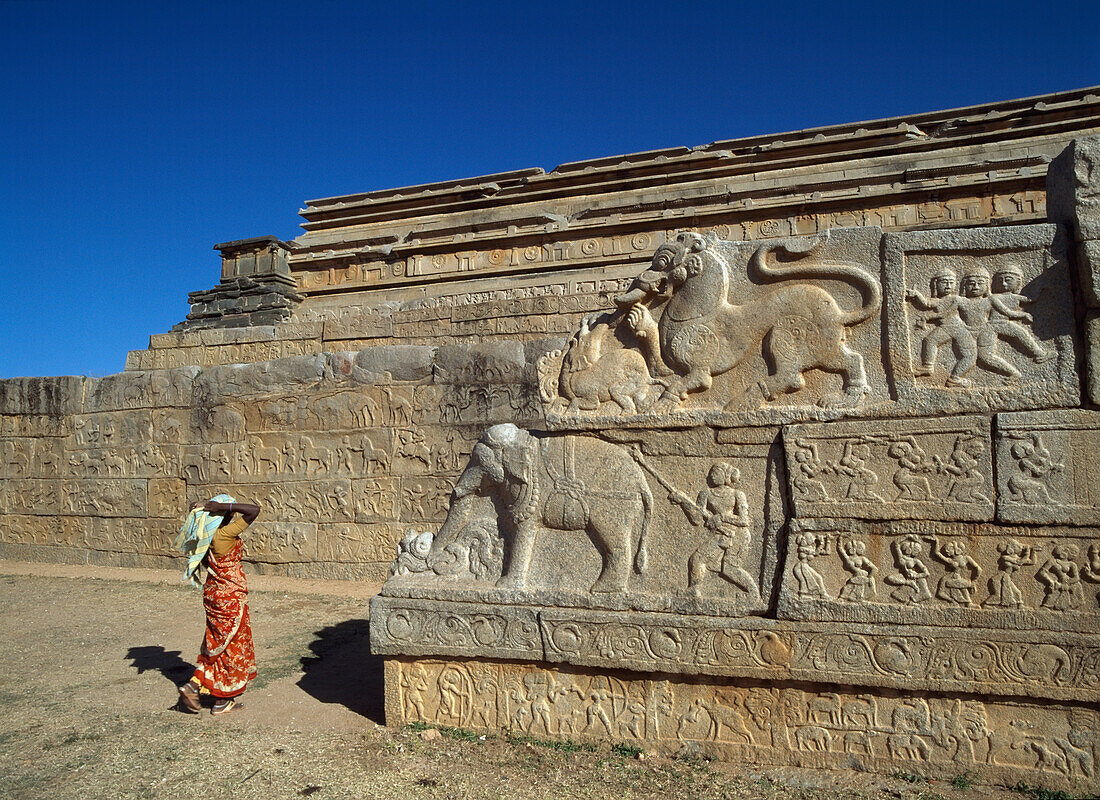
[87, 674]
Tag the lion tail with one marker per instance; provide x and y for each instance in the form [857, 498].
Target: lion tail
[860, 278]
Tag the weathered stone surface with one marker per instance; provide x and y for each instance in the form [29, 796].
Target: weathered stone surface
[892, 469]
[394, 362]
[360, 325]
[1046, 467]
[744, 721]
[1092, 357]
[263, 378]
[53, 397]
[980, 319]
[952, 575]
[131, 390]
[1073, 185]
[714, 415]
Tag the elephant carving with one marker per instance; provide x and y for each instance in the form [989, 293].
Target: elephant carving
[565, 483]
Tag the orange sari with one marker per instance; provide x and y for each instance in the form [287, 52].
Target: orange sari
[227, 660]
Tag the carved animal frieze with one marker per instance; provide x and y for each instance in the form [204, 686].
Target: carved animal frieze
[693, 317]
[574, 484]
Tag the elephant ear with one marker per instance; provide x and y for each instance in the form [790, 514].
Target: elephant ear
[519, 457]
[489, 458]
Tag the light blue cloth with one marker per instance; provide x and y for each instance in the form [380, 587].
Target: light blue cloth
[196, 534]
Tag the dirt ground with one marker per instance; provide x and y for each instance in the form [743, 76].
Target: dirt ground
[89, 661]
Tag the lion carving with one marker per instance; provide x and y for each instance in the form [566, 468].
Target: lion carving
[701, 334]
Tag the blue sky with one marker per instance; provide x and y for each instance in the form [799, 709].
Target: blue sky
[135, 135]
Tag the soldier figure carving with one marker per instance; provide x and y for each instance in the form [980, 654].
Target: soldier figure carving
[723, 510]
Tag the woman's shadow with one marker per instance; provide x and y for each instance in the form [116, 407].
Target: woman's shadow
[167, 662]
[343, 670]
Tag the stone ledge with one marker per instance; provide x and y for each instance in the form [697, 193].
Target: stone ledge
[1054, 666]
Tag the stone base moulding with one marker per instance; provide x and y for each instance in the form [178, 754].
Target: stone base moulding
[777, 723]
[1016, 664]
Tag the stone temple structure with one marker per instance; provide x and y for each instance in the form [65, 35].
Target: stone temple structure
[778, 449]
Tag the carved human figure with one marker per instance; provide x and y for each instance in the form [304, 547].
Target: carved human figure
[1036, 467]
[454, 695]
[723, 510]
[594, 710]
[414, 683]
[861, 584]
[1091, 572]
[975, 308]
[1061, 578]
[1003, 591]
[963, 466]
[540, 695]
[912, 468]
[957, 586]
[944, 303]
[808, 466]
[702, 334]
[411, 446]
[567, 483]
[853, 464]
[808, 546]
[291, 455]
[1006, 314]
[912, 575]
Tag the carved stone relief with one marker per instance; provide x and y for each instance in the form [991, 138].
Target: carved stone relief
[941, 574]
[892, 469]
[757, 723]
[634, 521]
[1017, 664]
[980, 319]
[725, 327]
[1046, 467]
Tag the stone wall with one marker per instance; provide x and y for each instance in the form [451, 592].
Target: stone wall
[778, 449]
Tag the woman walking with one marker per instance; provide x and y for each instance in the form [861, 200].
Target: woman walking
[210, 536]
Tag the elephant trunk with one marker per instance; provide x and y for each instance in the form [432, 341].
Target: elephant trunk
[641, 556]
[442, 559]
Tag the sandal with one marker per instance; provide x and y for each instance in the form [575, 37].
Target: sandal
[226, 706]
[189, 699]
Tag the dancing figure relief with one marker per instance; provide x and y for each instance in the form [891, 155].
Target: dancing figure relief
[911, 578]
[1036, 466]
[957, 585]
[860, 585]
[676, 328]
[810, 583]
[973, 318]
[1003, 591]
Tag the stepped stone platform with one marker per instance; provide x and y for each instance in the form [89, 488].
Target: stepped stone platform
[776, 449]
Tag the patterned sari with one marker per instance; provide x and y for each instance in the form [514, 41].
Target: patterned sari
[227, 661]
